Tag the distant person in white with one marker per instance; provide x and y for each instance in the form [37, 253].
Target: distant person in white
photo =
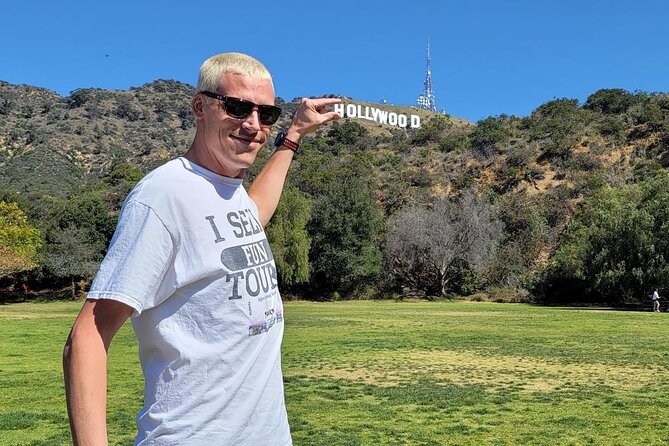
[190, 264]
[656, 301]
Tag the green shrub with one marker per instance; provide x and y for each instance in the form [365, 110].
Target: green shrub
[454, 142]
[490, 133]
[610, 101]
[430, 130]
[557, 125]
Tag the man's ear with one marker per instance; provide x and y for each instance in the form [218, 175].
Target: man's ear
[197, 105]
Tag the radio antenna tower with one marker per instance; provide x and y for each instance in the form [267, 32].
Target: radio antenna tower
[426, 100]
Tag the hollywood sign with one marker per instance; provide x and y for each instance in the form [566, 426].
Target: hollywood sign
[377, 115]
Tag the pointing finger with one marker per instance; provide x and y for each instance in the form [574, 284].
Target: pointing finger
[330, 116]
[322, 102]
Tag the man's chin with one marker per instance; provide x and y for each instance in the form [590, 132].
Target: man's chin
[246, 159]
[248, 149]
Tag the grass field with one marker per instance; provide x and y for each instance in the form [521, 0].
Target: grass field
[396, 373]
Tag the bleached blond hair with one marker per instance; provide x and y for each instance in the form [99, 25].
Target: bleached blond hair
[212, 69]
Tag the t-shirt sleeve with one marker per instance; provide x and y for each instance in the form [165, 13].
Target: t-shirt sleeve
[138, 269]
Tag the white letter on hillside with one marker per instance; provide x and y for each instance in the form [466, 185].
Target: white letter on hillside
[415, 121]
[339, 108]
[350, 111]
[360, 115]
[367, 115]
[375, 114]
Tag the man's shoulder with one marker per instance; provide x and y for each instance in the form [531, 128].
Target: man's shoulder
[163, 178]
[171, 169]
[178, 184]
[159, 184]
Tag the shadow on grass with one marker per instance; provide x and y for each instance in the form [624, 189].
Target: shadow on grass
[15, 297]
[25, 420]
[21, 420]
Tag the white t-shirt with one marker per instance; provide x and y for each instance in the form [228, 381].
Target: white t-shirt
[191, 258]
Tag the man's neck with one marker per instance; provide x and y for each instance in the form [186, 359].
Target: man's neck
[198, 154]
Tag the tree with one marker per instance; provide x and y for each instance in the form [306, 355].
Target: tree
[610, 101]
[77, 232]
[489, 134]
[526, 234]
[655, 201]
[19, 241]
[348, 133]
[125, 109]
[558, 125]
[122, 173]
[457, 142]
[119, 182]
[74, 252]
[81, 96]
[615, 248]
[648, 112]
[431, 130]
[427, 247]
[87, 210]
[288, 237]
[346, 230]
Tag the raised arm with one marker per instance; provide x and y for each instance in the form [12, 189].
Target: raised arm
[85, 368]
[268, 185]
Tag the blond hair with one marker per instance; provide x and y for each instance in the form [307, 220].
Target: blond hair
[212, 69]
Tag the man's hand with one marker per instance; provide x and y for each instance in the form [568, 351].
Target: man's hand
[266, 189]
[310, 116]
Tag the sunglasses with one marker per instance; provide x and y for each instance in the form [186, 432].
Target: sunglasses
[241, 109]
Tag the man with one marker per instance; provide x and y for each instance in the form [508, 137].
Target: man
[656, 301]
[190, 262]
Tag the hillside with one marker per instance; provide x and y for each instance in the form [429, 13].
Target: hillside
[537, 172]
[52, 144]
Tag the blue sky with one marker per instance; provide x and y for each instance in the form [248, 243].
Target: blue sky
[488, 57]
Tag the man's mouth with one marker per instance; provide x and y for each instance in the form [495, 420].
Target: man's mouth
[246, 140]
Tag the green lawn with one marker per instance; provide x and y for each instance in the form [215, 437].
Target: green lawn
[396, 373]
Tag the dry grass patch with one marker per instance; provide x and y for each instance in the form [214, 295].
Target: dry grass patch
[33, 310]
[495, 372]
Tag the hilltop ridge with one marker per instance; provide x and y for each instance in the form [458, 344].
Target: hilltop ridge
[60, 142]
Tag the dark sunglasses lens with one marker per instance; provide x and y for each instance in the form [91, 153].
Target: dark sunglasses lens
[269, 114]
[238, 109]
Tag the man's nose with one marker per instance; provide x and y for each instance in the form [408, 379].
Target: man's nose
[252, 121]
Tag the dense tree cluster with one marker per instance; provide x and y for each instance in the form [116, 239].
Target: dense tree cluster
[615, 248]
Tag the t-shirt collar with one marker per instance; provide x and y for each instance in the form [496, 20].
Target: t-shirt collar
[196, 168]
